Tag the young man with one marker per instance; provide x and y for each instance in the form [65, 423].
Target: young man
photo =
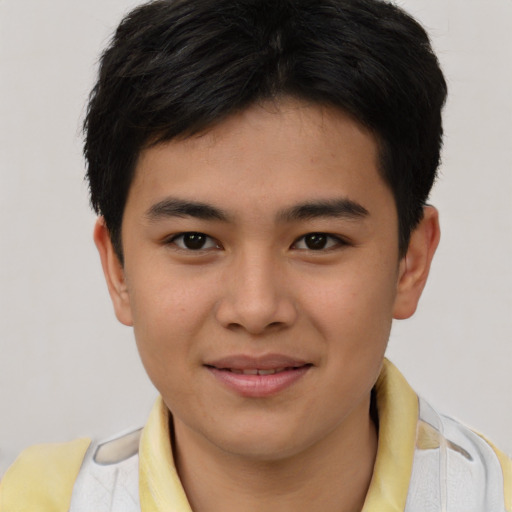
[261, 170]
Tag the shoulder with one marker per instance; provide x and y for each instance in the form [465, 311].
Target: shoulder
[488, 466]
[42, 477]
[455, 465]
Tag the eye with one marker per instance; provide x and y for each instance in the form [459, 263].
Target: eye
[317, 242]
[193, 241]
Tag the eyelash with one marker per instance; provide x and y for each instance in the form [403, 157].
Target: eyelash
[332, 242]
[194, 236]
[325, 241]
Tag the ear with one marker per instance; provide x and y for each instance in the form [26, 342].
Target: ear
[415, 265]
[114, 273]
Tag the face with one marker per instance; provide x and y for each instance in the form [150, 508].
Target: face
[261, 275]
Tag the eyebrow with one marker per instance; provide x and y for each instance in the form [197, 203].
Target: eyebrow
[335, 208]
[172, 207]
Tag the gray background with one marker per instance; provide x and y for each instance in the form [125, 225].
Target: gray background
[68, 369]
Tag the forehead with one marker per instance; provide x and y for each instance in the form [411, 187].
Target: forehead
[270, 156]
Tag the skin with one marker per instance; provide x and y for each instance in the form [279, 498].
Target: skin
[258, 288]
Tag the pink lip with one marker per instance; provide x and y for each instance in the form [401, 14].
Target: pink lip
[258, 386]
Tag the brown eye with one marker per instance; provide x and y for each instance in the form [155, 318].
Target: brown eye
[317, 242]
[194, 241]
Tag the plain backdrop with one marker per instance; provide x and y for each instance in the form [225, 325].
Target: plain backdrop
[67, 369]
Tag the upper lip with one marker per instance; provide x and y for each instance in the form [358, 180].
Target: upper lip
[265, 362]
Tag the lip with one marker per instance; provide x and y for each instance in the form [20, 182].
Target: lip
[228, 371]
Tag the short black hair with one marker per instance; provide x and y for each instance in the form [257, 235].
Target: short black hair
[177, 67]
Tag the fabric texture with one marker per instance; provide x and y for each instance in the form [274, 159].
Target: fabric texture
[42, 478]
[426, 462]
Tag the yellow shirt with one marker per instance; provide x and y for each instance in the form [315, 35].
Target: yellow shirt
[42, 478]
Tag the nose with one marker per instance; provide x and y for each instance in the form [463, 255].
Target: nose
[255, 296]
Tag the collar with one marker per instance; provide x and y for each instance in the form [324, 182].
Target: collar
[397, 405]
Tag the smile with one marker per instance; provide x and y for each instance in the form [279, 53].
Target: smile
[258, 377]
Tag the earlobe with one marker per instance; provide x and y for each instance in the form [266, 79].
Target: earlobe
[415, 265]
[114, 273]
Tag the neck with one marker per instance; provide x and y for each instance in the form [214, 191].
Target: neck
[333, 475]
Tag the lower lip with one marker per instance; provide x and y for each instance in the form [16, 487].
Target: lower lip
[259, 386]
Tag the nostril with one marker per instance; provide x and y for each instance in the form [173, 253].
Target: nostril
[255, 313]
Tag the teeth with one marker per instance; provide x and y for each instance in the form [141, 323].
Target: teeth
[255, 371]
[271, 372]
[266, 372]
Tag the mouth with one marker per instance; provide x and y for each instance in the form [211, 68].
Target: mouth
[258, 377]
[259, 371]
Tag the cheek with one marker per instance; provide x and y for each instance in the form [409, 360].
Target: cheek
[354, 316]
[168, 296]
[355, 307]
[168, 313]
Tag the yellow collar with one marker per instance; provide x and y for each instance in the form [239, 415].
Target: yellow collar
[397, 405]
